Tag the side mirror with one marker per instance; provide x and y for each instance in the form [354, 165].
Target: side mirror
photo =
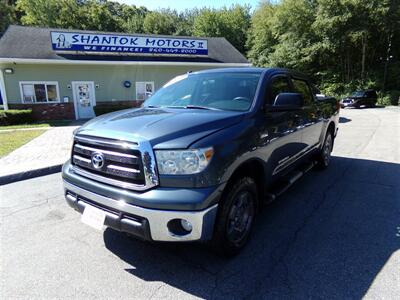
[288, 101]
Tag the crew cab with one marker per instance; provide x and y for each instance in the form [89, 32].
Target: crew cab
[201, 155]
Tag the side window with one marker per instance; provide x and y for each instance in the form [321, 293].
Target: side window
[301, 87]
[279, 85]
[371, 94]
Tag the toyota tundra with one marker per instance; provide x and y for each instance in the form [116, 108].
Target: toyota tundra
[201, 155]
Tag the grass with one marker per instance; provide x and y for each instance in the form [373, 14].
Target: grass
[11, 140]
[38, 125]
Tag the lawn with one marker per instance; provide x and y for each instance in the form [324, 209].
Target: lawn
[11, 140]
[38, 125]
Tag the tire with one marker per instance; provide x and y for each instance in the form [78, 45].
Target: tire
[324, 155]
[235, 217]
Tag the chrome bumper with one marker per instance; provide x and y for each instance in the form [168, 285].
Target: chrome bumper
[157, 220]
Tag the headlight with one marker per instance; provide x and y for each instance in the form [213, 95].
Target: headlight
[180, 162]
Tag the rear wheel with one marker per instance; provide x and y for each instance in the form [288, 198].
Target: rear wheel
[235, 217]
[324, 156]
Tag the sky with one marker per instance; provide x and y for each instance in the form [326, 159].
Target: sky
[181, 5]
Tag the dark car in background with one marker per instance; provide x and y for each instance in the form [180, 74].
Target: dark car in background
[360, 98]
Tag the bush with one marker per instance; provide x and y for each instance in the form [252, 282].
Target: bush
[15, 117]
[383, 99]
[340, 90]
[389, 98]
[394, 97]
[105, 109]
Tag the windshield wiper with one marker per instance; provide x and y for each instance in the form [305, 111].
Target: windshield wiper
[200, 107]
[152, 106]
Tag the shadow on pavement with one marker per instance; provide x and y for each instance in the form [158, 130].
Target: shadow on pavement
[328, 237]
[344, 120]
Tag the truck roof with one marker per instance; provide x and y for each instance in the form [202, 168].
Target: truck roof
[268, 71]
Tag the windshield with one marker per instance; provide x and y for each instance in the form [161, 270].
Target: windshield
[218, 91]
[358, 94]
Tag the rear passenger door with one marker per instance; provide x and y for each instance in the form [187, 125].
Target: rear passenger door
[311, 114]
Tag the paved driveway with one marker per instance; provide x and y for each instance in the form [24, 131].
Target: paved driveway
[335, 234]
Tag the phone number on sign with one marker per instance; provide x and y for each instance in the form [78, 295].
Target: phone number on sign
[173, 51]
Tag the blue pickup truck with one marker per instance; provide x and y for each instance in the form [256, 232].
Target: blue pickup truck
[200, 157]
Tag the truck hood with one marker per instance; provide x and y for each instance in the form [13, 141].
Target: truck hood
[162, 127]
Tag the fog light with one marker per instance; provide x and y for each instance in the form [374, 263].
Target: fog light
[179, 227]
[186, 225]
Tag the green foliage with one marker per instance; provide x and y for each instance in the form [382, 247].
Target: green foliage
[11, 140]
[161, 22]
[231, 23]
[49, 13]
[261, 38]
[132, 18]
[394, 97]
[14, 117]
[7, 15]
[84, 14]
[383, 99]
[343, 44]
[339, 89]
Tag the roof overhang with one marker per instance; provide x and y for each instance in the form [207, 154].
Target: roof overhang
[133, 63]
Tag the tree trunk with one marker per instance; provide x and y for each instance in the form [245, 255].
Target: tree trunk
[364, 48]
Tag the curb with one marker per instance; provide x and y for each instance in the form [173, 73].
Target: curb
[29, 174]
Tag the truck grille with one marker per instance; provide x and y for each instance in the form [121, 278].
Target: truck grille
[113, 162]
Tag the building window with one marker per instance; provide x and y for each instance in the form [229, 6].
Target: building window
[39, 92]
[144, 90]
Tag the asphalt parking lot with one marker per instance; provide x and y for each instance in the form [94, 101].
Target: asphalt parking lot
[335, 234]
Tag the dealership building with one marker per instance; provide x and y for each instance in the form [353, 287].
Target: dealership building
[64, 74]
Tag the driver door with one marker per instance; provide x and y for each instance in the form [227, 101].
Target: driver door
[282, 129]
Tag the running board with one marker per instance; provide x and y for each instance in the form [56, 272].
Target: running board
[287, 181]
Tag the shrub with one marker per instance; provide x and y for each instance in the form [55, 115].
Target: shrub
[340, 89]
[105, 109]
[389, 98]
[394, 97]
[15, 116]
[383, 99]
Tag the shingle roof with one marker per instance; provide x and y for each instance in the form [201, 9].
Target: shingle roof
[34, 43]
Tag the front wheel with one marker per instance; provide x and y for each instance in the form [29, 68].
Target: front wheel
[235, 217]
[324, 155]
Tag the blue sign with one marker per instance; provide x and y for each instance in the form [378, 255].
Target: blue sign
[89, 42]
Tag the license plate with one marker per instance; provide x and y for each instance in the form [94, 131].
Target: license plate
[93, 217]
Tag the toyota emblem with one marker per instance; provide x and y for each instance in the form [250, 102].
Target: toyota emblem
[97, 160]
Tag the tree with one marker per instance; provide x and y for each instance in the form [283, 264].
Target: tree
[161, 22]
[7, 15]
[49, 13]
[186, 22]
[261, 39]
[232, 23]
[97, 15]
[133, 19]
[129, 18]
[344, 44]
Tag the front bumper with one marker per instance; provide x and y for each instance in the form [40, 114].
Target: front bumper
[348, 104]
[145, 223]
